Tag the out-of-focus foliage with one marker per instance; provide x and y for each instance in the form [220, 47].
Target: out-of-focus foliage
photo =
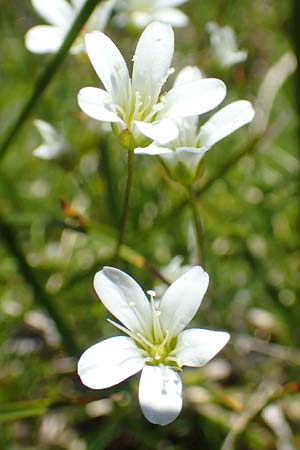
[250, 216]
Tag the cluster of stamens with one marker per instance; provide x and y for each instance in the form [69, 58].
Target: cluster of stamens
[132, 105]
[158, 346]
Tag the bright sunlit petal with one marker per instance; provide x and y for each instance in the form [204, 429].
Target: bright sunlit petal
[198, 346]
[124, 298]
[225, 122]
[109, 362]
[160, 394]
[109, 65]
[161, 131]
[190, 99]
[97, 104]
[152, 60]
[182, 300]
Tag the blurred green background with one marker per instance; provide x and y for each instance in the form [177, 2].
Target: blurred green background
[248, 201]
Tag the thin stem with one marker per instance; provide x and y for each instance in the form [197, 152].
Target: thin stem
[48, 73]
[40, 295]
[107, 174]
[197, 225]
[125, 209]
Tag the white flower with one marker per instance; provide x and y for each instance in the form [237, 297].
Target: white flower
[60, 14]
[142, 12]
[156, 341]
[223, 42]
[54, 144]
[183, 154]
[133, 106]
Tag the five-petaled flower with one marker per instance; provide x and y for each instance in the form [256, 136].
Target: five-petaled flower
[134, 107]
[182, 156]
[60, 14]
[156, 341]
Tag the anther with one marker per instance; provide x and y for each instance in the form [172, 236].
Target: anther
[151, 293]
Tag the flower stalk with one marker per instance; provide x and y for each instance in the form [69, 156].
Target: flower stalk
[155, 340]
[197, 225]
[126, 203]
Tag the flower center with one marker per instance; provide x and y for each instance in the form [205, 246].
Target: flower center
[136, 108]
[159, 347]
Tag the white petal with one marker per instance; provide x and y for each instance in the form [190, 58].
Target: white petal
[152, 149]
[225, 122]
[124, 298]
[47, 131]
[223, 41]
[160, 394]
[46, 152]
[56, 12]
[166, 3]
[97, 104]
[152, 60]
[188, 156]
[188, 74]
[193, 98]
[182, 300]
[77, 3]
[172, 16]
[44, 39]
[109, 65]
[100, 16]
[162, 131]
[109, 362]
[230, 58]
[197, 346]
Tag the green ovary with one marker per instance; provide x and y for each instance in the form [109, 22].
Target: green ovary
[162, 353]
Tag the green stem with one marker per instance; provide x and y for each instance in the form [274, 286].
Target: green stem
[48, 73]
[125, 208]
[41, 297]
[197, 225]
[107, 174]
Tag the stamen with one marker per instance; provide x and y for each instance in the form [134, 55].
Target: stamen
[164, 372]
[157, 329]
[145, 341]
[121, 112]
[172, 359]
[166, 338]
[151, 293]
[147, 104]
[134, 337]
[169, 72]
